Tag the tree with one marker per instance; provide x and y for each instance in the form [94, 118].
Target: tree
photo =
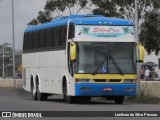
[43, 16]
[114, 8]
[33, 22]
[59, 6]
[110, 8]
[73, 6]
[150, 27]
[148, 15]
[150, 32]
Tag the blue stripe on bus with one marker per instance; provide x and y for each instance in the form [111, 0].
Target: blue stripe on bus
[91, 89]
[82, 20]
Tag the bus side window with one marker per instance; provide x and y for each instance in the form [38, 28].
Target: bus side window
[42, 38]
[24, 42]
[65, 36]
[61, 36]
[57, 37]
[35, 40]
[30, 41]
[49, 43]
[46, 38]
[39, 39]
[53, 38]
[63, 33]
[71, 31]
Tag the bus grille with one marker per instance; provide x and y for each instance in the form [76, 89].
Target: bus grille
[107, 80]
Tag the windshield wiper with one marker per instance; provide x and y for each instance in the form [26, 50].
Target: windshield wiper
[104, 60]
[116, 65]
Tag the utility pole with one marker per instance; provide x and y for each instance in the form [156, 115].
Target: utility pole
[3, 62]
[13, 45]
[137, 38]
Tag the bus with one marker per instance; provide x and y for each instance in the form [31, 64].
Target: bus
[80, 57]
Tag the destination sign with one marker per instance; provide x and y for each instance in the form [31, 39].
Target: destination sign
[85, 31]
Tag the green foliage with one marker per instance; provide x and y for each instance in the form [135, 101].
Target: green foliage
[59, 6]
[62, 5]
[150, 27]
[33, 22]
[114, 8]
[43, 16]
[147, 12]
[150, 32]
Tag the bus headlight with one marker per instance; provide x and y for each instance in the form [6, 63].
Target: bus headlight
[129, 81]
[83, 80]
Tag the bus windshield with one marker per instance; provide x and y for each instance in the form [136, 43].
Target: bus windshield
[105, 58]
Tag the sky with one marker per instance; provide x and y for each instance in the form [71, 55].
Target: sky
[24, 12]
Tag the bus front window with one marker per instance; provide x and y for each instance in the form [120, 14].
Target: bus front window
[105, 58]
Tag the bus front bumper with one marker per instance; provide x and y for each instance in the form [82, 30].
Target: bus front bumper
[92, 89]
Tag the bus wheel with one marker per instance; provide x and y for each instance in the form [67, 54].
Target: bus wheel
[119, 99]
[84, 99]
[34, 93]
[41, 96]
[69, 99]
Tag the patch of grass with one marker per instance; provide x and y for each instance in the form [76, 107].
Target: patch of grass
[143, 99]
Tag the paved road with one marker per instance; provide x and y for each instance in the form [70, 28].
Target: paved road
[19, 100]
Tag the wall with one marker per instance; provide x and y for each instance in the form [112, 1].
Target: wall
[9, 83]
[151, 88]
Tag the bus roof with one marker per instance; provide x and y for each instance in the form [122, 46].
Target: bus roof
[82, 20]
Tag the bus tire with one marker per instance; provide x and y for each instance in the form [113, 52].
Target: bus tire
[34, 94]
[119, 99]
[84, 99]
[41, 96]
[69, 99]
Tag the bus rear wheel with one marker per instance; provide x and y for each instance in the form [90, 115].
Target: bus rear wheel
[34, 93]
[41, 96]
[119, 99]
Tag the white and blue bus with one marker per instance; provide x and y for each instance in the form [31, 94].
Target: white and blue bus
[81, 56]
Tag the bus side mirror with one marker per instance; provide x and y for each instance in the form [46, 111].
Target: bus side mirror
[73, 48]
[140, 53]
